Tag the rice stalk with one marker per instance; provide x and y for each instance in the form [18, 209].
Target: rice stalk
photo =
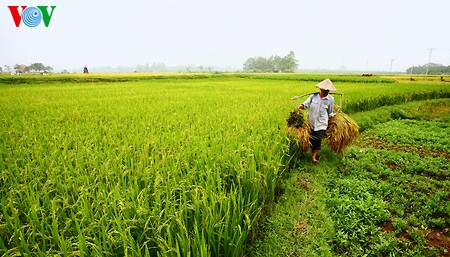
[343, 133]
[298, 127]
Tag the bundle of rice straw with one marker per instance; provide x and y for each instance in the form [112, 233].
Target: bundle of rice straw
[343, 133]
[298, 127]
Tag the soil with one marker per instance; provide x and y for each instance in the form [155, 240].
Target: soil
[440, 240]
[400, 147]
[437, 238]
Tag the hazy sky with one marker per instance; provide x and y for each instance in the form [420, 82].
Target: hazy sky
[355, 34]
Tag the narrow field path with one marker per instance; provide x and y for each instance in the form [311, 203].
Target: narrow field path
[299, 224]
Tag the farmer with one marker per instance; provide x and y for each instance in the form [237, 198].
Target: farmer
[320, 114]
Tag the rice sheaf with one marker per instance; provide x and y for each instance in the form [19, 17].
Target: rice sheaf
[298, 127]
[343, 133]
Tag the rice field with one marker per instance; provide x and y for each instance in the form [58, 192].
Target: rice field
[153, 165]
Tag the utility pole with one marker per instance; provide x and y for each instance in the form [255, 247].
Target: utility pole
[429, 59]
[390, 69]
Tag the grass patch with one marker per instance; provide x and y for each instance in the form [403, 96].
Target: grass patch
[410, 192]
[299, 224]
[425, 138]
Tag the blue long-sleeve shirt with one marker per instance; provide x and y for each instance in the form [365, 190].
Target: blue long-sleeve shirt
[320, 110]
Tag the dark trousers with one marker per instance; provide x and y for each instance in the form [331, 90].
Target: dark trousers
[316, 139]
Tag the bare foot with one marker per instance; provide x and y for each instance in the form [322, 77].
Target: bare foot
[315, 161]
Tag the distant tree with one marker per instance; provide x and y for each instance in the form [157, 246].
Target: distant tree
[21, 68]
[259, 64]
[275, 63]
[288, 63]
[160, 67]
[37, 67]
[140, 68]
[253, 64]
[433, 68]
[7, 68]
[33, 67]
[1, 70]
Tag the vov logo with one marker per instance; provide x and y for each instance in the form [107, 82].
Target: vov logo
[31, 16]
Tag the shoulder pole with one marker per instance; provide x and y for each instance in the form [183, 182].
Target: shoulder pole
[297, 97]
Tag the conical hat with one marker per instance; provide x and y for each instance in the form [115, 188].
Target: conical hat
[326, 85]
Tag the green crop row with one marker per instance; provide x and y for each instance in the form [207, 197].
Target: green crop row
[434, 110]
[371, 103]
[319, 77]
[99, 78]
[391, 201]
[112, 78]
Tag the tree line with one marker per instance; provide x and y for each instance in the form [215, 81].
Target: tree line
[275, 63]
[433, 69]
[22, 68]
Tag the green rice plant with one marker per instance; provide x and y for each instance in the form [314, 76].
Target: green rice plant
[371, 103]
[98, 169]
